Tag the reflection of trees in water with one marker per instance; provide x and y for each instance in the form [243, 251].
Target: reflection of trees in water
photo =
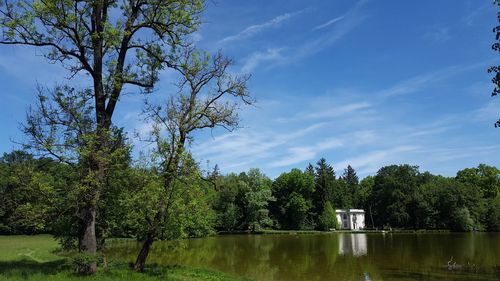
[429, 253]
[263, 257]
[282, 257]
[326, 257]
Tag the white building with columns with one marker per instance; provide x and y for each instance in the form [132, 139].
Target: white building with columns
[351, 219]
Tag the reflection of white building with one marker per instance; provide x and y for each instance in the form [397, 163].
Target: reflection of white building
[352, 219]
[353, 244]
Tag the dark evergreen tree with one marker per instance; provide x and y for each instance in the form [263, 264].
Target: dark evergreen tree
[351, 185]
[310, 169]
[324, 180]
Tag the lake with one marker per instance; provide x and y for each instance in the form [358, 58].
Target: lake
[334, 256]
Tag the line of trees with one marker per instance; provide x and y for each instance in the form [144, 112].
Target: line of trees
[38, 197]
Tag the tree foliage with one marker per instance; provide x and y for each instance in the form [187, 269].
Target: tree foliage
[293, 192]
[328, 218]
[324, 180]
[242, 202]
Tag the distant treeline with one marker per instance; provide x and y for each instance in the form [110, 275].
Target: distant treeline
[37, 197]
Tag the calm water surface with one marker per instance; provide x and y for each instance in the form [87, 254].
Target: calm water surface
[335, 256]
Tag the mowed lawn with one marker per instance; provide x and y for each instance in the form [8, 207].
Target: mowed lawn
[33, 258]
[38, 248]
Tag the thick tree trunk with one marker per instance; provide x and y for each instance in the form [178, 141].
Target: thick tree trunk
[88, 239]
[88, 243]
[143, 254]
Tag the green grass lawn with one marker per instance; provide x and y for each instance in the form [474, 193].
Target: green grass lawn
[37, 248]
[33, 258]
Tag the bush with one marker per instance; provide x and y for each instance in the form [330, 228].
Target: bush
[84, 261]
[328, 220]
[461, 220]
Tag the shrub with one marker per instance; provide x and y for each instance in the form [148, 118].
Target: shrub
[84, 261]
[328, 220]
[461, 220]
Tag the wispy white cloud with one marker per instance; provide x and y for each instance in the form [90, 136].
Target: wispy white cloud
[346, 23]
[433, 131]
[488, 112]
[253, 30]
[350, 20]
[255, 59]
[411, 85]
[328, 23]
[372, 161]
[478, 89]
[295, 155]
[419, 82]
[298, 154]
[247, 146]
[304, 153]
[389, 140]
[337, 109]
[449, 154]
[438, 34]
[475, 12]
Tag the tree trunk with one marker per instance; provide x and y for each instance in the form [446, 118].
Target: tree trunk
[370, 208]
[88, 243]
[143, 254]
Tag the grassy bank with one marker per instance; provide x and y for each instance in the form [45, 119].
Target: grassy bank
[33, 258]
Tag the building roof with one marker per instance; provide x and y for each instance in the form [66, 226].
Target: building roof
[349, 211]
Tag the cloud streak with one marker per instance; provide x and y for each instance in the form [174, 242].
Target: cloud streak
[257, 58]
[438, 35]
[328, 23]
[247, 146]
[338, 111]
[371, 162]
[419, 82]
[299, 154]
[256, 29]
[346, 23]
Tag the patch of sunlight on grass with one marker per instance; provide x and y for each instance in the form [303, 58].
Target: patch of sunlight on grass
[37, 248]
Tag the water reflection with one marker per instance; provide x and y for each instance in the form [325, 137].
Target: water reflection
[336, 256]
[353, 244]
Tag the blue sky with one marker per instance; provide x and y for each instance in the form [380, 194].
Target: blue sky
[366, 83]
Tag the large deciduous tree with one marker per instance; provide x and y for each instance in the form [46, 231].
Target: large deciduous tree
[208, 96]
[393, 194]
[62, 125]
[116, 43]
[293, 192]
